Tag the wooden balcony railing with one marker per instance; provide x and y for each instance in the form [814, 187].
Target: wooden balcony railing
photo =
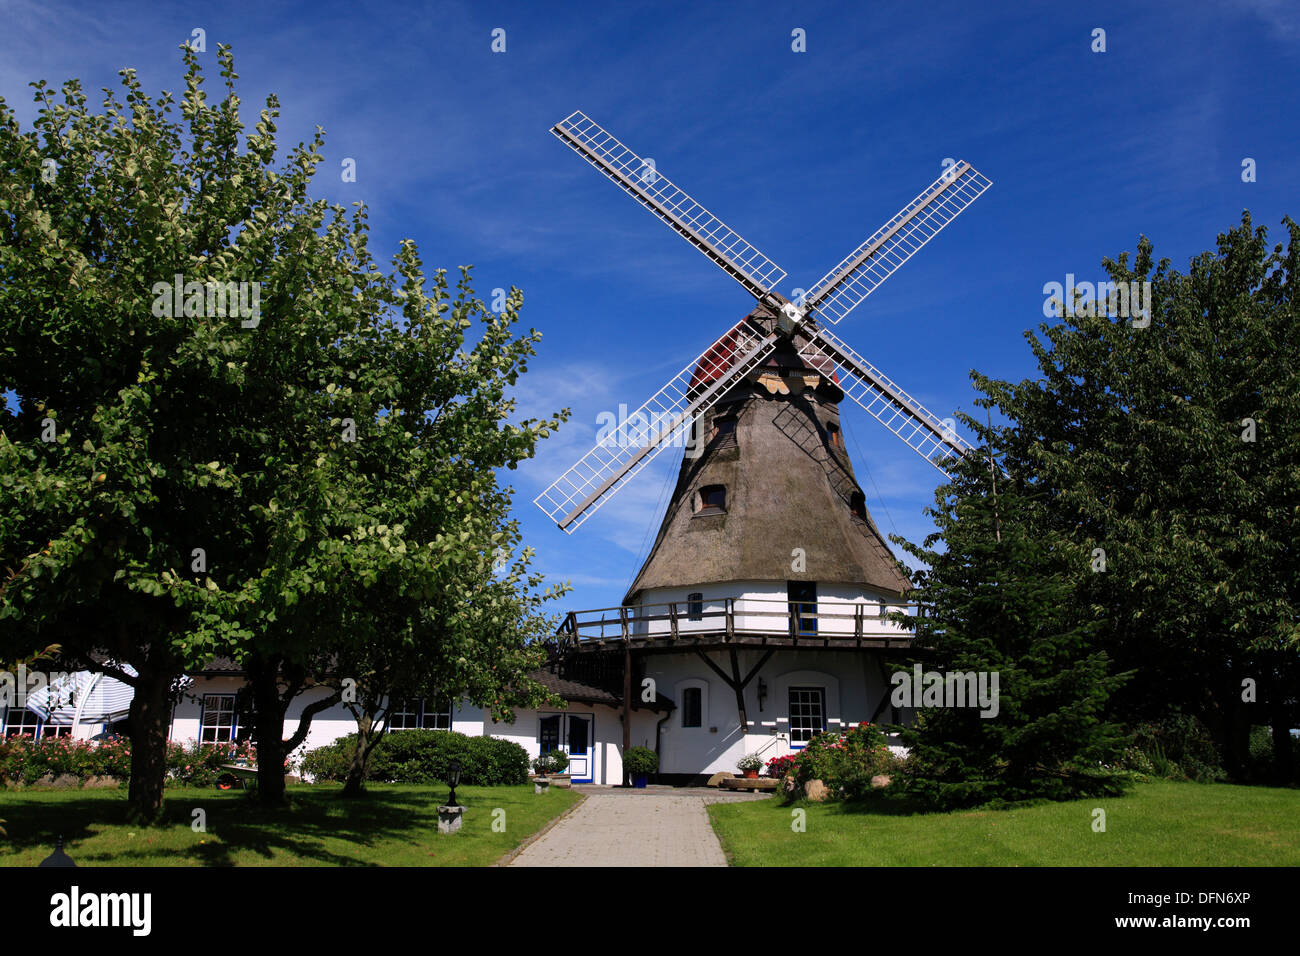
[826, 623]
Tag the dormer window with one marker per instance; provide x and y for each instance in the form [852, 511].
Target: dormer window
[711, 500]
[858, 504]
[724, 431]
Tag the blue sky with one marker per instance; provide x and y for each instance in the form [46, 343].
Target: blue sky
[804, 154]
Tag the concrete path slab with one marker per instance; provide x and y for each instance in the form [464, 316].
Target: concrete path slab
[624, 827]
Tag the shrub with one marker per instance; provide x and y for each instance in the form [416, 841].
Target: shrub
[192, 764]
[26, 759]
[423, 756]
[845, 763]
[640, 760]
[1176, 748]
[329, 762]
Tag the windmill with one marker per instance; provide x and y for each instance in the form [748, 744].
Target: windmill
[777, 325]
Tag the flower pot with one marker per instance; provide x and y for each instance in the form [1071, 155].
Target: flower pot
[750, 774]
[639, 780]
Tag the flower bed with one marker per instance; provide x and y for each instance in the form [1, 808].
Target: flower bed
[27, 760]
[845, 763]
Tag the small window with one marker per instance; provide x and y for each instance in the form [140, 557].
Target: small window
[412, 713]
[220, 723]
[713, 500]
[21, 722]
[803, 606]
[695, 606]
[436, 717]
[724, 431]
[834, 435]
[692, 711]
[548, 734]
[858, 504]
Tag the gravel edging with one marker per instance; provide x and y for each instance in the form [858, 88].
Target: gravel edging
[509, 857]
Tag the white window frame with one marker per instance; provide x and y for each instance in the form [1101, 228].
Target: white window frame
[417, 716]
[796, 744]
[217, 727]
[682, 687]
[28, 723]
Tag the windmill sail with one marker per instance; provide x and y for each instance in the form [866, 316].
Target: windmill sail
[643, 182]
[920, 429]
[663, 420]
[864, 269]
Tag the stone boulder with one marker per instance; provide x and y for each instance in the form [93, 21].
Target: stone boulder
[66, 781]
[717, 778]
[98, 782]
[881, 780]
[816, 791]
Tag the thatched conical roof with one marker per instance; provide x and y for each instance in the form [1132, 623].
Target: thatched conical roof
[788, 484]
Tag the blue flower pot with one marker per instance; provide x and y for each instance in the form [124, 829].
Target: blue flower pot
[638, 781]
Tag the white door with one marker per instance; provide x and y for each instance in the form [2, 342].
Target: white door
[578, 744]
[572, 733]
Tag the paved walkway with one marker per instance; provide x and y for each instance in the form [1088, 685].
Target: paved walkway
[625, 827]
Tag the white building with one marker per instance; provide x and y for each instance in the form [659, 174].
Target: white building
[760, 616]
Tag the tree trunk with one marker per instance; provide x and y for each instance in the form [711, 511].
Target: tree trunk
[150, 716]
[1236, 728]
[268, 727]
[1280, 720]
[353, 783]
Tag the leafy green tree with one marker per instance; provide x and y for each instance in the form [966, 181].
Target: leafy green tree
[183, 477]
[424, 597]
[1173, 449]
[1002, 599]
[114, 460]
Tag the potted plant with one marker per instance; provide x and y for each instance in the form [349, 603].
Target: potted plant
[750, 765]
[553, 761]
[640, 762]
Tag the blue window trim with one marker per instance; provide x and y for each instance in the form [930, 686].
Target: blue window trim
[4, 722]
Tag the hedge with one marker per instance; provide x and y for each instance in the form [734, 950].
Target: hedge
[422, 756]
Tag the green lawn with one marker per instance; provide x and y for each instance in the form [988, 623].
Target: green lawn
[392, 825]
[1157, 824]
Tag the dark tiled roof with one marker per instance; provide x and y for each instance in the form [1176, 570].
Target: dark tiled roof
[222, 665]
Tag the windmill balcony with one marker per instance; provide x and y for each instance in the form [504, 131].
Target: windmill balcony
[740, 620]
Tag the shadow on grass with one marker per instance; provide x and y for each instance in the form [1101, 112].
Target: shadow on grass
[876, 803]
[236, 822]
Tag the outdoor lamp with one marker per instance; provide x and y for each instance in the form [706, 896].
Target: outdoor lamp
[453, 780]
[58, 857]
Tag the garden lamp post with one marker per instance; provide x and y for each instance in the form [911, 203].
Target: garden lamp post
[58, 857]
[453, 780]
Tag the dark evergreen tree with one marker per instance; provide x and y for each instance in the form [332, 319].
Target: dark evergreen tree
[1002, 598]
[1173, 444]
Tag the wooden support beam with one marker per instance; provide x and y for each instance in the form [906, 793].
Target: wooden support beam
[739, 688]
[765, 658]
[627, 705]
[884, 698]
[716, 669]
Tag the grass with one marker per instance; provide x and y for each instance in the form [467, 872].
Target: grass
[1157, 824]
[392, 825]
